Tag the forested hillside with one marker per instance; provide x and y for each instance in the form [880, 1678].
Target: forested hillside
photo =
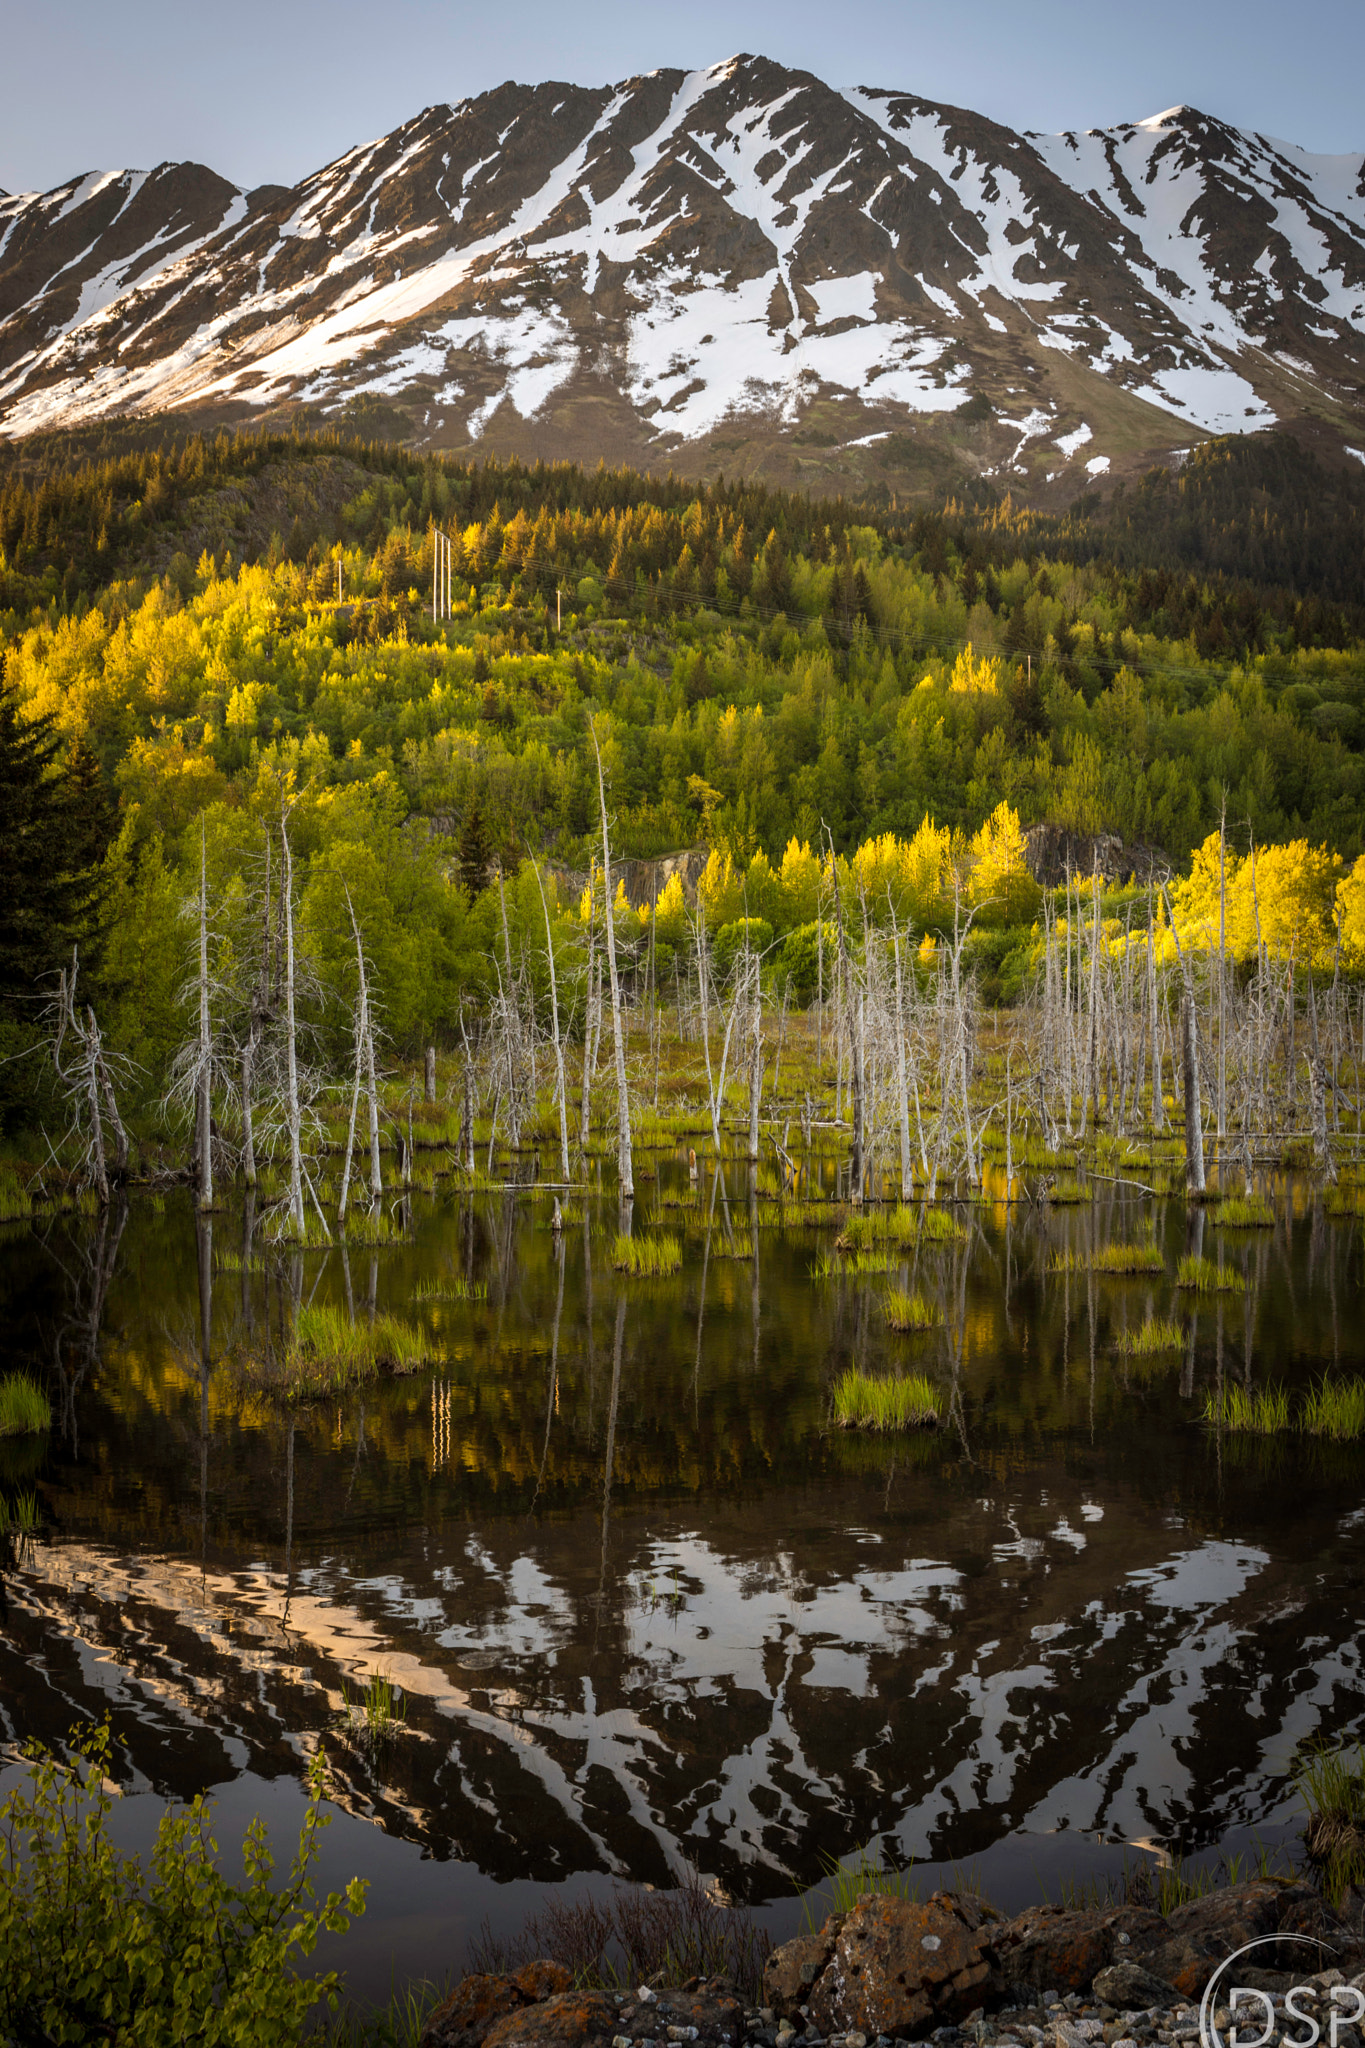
[209, 628]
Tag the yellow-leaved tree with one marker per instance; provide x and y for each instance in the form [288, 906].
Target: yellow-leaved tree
[1000, 880]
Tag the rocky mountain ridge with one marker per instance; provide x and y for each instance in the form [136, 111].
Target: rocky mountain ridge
[736, 267]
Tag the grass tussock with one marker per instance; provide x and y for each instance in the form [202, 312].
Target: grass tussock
[1246, 1212]
[16, 1205]
[1335, 1409]
[911, 1311]
[863, 1403]
[1331, 1784]
[19, 1516]
[1158, 1333]
[24, 1408]
[1258, 1411]
[739, 1245]
[452, 1290]
[1207, 1278]
[648, 1258]
[1110, 1258]
[1069, 1191]
[328, 1351]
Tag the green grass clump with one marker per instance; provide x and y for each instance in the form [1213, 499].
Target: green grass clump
[1331, 1784]
[739, 1245]
[861, 1878]
[1110, 1258]
[452, 1290]
[24, 1409]
[1264, 1411]
[16, 1205]
[648, 1258]
[863, 1403]
[1206, 1278]
[1158, 1333]
[328, 1351]
[911, 1311]
[937, 1226]
[1335, 1409]
[1069, 1190]
[1247, 1212]
[19, 1517]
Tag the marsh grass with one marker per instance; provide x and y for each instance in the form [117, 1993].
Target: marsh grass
[1207, 1278]
[328, 1351]
[24, 1408]
[19, 1516]
[1331, 1784]
[16, 1204]
[884, 1404]
[1334, 1409]
[1246, 1212]
[376, 1716]
[911, 1311]
[739, 1245]
[452, 1290]
[1259, 1411]
[861, 1878]
[648, 1258]
[1110, 1258]
[1158, 1333]
[1069, 1191]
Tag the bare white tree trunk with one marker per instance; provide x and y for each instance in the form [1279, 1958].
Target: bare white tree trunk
[625, 1157]
[902, 1093]
[560, 1089]
[204, 1093]
[296, 1209]
[755, 1063]
[362, 1025]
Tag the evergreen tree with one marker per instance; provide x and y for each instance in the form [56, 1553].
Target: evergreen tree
[52, 837]
[475, 853]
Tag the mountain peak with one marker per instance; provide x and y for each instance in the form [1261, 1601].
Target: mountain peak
[734, 264]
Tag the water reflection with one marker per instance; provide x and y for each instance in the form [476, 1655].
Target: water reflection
[647, 1610]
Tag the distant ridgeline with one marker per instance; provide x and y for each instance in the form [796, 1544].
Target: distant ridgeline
[213, 626]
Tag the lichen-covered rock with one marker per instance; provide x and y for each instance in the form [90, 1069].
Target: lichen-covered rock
[1204, 1932]
[573, 2019]
[474, 2007]
[1060, 1948]
[790, 1972]
[903, 1968]
[1131, 1988]
[706, 2011]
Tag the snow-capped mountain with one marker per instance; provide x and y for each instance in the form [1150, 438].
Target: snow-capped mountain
[737, 265]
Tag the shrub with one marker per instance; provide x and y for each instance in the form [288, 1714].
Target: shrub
[94, 1947]
[24, 1409]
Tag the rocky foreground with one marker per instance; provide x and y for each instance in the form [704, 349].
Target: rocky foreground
[953, 1970]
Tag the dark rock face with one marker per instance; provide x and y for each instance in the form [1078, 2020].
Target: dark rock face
[1131, 1988]
[1052, 1948]
[1205, 1932]
[1053, 855]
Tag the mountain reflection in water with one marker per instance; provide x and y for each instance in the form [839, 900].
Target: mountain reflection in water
[647, 1610]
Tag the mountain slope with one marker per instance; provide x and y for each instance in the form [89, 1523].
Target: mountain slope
[738, 265]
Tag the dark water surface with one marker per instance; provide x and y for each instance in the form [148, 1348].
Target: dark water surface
[646, 1609]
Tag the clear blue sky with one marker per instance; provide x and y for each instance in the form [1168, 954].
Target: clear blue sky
[266, 90]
